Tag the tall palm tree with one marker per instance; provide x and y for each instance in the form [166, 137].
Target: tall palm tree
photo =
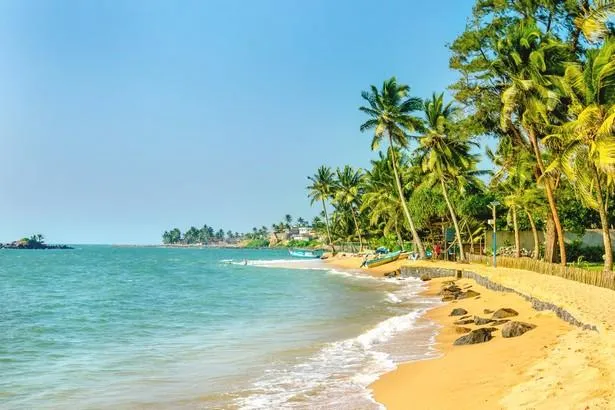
[380, 198]
[588, 156]
[289, 221]
[390, 110]
[348, 193]
[533, 61]
[321, 189]
[445, 155]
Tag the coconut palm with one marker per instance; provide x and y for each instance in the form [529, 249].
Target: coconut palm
[445, 155]
[390, 110]
[380, 198]
[532, 61]
[348, 192]
[588, 155]
[289, 221]
[321, 189]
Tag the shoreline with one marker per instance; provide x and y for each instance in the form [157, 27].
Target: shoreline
[555, 365]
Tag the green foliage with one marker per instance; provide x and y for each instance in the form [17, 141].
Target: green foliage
[579, 253]
[257, 243]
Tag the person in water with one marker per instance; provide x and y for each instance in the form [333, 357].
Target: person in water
[245, 261]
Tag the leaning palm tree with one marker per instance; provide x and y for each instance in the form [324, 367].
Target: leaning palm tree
[533, 61]
[445, 155]
[390, 110]
[588, 139]
[381, 200]
[321, 189]
[348, 193]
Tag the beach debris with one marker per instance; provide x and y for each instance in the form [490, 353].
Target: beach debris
[425, 277]
[487, 311]
[458, 312]
[461, 329]
[499, 322]
[467, 294]
[463, 322]
[504, 313]
[479, 321]
[514, 329]
[474, 337]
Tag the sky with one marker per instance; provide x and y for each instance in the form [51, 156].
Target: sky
[121, 119]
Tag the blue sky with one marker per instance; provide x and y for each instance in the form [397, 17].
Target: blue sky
[120, 119]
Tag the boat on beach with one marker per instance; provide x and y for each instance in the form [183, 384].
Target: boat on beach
[305, 253]
[384, 259]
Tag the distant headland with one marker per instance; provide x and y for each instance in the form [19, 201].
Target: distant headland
[33, 242]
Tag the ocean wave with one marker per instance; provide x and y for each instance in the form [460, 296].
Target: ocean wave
[338, 375]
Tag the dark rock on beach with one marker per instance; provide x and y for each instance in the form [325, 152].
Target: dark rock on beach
[474, 337]
[487, 311]
[499, 322]
[458, 312]
[479, 321]
[425, 277]
[504, 313]
[468, 294]
[514, 329]
[464, 322]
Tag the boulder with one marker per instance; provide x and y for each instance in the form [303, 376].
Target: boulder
[467, 294]
[499, 322]
[475, 336]
[504, 313]
[465, 317]
[487, 311]
[514, 329]
[448, 298]
[458, 312]
[461, 329]
[464, 322]
[425, 277]
[479, 321]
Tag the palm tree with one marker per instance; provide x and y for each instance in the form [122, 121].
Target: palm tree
[445, 155]
[289, 221]
[532, 61]
[380, 197]
[390, 111]
[321, 189]
[348, 193]
[588, 155]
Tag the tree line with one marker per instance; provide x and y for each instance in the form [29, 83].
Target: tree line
[536, 76]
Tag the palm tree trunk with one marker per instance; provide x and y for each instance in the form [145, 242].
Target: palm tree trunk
[550, 198]
[535, 234]
[604, 221]
[356, 224]
[324, 208]
[462, 255]
[399, 239]
[402, 199]
[516, 229]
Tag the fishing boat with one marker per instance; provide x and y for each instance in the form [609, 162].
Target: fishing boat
[381, 260]
[305, 253]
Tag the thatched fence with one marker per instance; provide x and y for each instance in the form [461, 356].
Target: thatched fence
[596, 278]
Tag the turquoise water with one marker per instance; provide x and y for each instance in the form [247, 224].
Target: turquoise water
[109, 327]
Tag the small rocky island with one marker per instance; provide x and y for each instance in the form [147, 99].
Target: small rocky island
[34, 242]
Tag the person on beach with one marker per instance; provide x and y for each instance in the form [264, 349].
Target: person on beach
[364, 263]
[437, 249]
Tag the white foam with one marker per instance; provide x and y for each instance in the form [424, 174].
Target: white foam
[337, 376]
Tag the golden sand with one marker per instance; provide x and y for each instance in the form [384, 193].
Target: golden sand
[554, 366]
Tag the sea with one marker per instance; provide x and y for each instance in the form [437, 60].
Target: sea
[104, 327]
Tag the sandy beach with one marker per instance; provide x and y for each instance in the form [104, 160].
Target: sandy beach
[557, 365]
